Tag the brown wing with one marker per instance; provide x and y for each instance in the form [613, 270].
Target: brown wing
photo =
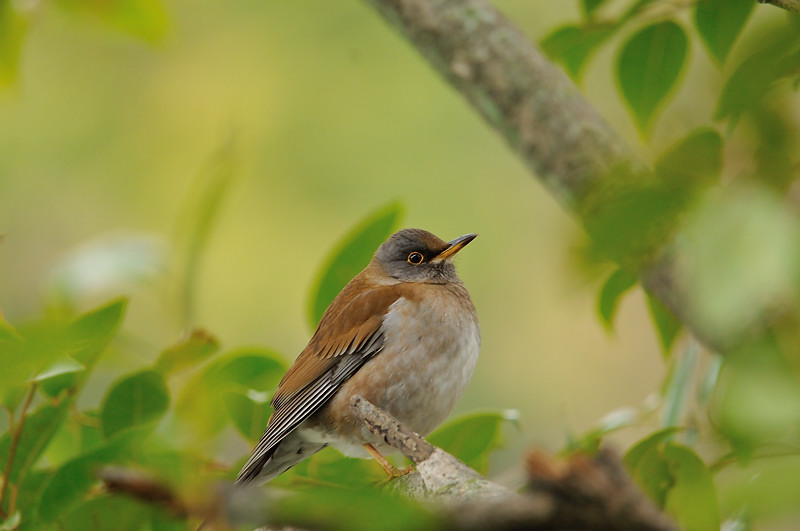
[347, 336]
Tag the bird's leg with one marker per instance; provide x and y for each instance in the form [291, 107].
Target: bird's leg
[391, 470]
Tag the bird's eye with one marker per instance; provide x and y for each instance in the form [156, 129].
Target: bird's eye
[415, 258]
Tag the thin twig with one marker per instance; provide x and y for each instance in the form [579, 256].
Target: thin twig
[17, 434]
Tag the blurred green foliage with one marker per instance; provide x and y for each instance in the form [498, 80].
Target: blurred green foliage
[721, 198]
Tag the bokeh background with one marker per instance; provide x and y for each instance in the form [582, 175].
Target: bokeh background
[323, 115]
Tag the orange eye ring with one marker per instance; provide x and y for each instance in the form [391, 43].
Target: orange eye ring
[415, 258]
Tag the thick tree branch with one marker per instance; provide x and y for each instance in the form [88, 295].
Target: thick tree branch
[793, 6]
[541, 115]
[579, 493]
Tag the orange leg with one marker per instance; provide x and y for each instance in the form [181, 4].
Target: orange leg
[391, 470]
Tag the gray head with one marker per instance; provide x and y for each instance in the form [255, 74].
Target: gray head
[416, 255]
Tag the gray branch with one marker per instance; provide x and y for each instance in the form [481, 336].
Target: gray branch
[541, 114]
[793, 6]
[580, 493]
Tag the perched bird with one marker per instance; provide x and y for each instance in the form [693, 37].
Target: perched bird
[403, 334]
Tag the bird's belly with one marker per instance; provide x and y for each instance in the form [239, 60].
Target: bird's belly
[426, 363]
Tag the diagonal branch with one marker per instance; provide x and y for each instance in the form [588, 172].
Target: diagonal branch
[792, 6]
[542, 116]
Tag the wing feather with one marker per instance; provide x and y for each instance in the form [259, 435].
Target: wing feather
[348, 335]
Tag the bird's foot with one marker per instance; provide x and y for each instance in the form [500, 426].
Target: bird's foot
[391, 470]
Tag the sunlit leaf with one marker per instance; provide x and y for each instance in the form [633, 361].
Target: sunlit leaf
[614, 287]
[471, 438]
[140, 398]
[719, 22]
[188, 352]
[199, 403]
[572, 45]
[667, 325]
[39, 428]
[648, 67]
[351, 255]
[249, 411]
[11, 522]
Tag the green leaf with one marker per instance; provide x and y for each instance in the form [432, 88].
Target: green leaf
[617, 283]
[134, 400]
[330, 467]
[186, 353]
[91, 333]
[351, 255]
[471, 438]
[200, 404]
[39, 428]
[248, 410]
[756, 76]
[667, 325]
[572, 45]
[590, 6]
[694, 160]
[13, 27]
[719, 22]
[145, 19]
[646, 466]
[73, 480]
[692, 500]
[648, 67]
[107, 512]
[58, 376]
[615, 420]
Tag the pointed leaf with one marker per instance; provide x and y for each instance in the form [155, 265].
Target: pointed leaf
[471, 438]
[138, 399]
[617, 283]
[667, 325]
[572, 46]
[199, 403]
[719, 22]
[648, 67]
[351, 255]
[186, 353]
[38, 430]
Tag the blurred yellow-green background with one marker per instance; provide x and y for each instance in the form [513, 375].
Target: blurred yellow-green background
[329, 115]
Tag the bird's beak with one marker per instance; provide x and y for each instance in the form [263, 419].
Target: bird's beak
[454, 246]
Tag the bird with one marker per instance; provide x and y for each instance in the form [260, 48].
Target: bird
[403, 334]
